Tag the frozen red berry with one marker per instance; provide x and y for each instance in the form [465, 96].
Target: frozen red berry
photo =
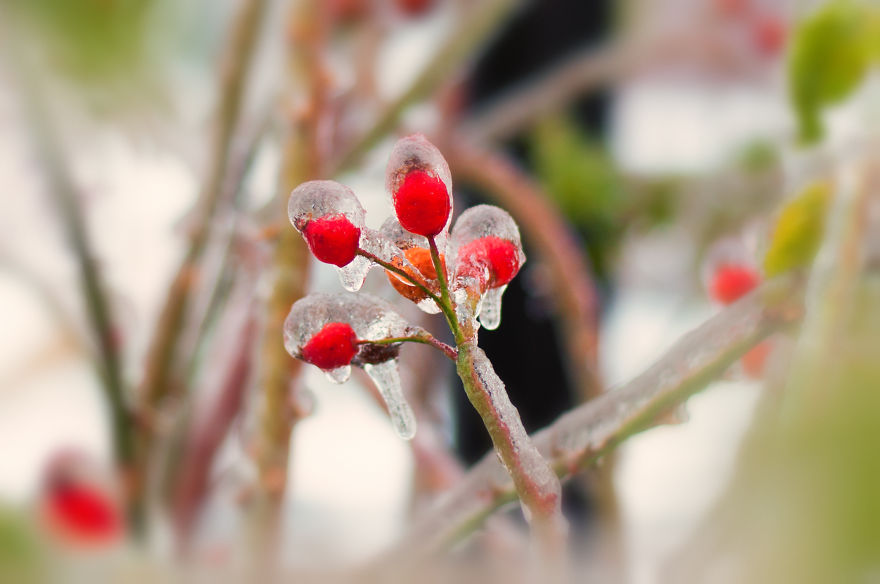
[499, 257]
[333, 239]
[422, 203]
[730, 282]
[334, 346]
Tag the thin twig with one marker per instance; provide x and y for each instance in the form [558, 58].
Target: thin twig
[65, 196]
[163, 356]
[209, 431]
[580, 437]
[547, 231]
[479, 21]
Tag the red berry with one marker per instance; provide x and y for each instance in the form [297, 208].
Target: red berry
[82, 514]
[769, 35]
[732, 281]
[422, 203]
[333, 239]
[333, 346]
[500, 256]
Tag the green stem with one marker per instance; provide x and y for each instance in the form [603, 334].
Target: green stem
[424, 338]
[442, 302]
[536, 484]
[444, 291]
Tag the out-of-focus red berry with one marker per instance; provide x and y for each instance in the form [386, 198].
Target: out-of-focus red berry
[333, 239]
[77, 507]
[333, 346]
[769, 34]
[499, 256]
[422, 203]
[414, 7]
[733, 281]
[347, 11]
[420, 258]
[753, 362]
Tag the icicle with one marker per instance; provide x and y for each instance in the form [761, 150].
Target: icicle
[353, 275]
[490, 308]
[386, 376]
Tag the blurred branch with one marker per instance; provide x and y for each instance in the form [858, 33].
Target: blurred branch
[159, 373]
[65, 196]
[542, 225]
[209, 431]
[160, 377]
[582, 436]
[477, 22]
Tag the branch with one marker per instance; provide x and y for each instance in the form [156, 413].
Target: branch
[585, 434]
[478, 22]
[162, 358]
[66, 198]
[209, 431]
[548, 232]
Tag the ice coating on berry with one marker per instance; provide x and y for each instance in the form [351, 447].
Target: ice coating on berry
[370, 318]
[374, 243]
[420, 184]
[330, 218]
[486, 247]
[386, 376]
[418, 263]
[333, 347]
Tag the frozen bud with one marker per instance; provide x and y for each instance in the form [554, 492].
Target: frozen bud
[330, 218]
[418, 178]
[416, 261]
[486, 247]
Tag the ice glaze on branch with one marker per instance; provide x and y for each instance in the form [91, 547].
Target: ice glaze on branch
[580, 437]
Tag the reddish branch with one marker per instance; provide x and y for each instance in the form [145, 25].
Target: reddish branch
[209, 432]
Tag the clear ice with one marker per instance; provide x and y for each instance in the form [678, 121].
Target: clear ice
[318, 198]
[490, 308]
[475, 223]
[386, 376]
[416, 152]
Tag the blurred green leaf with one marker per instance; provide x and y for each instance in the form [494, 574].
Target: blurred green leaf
[583, 181]
[798, 230]
[831, 53]
[90, 40]
[20, 555]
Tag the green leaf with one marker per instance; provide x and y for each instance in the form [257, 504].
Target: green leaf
[831, 53]
[798, 230]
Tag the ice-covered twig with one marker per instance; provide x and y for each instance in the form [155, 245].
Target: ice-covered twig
[533, 479]
[588, 432]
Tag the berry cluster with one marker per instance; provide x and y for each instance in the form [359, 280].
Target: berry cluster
[462, 274]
